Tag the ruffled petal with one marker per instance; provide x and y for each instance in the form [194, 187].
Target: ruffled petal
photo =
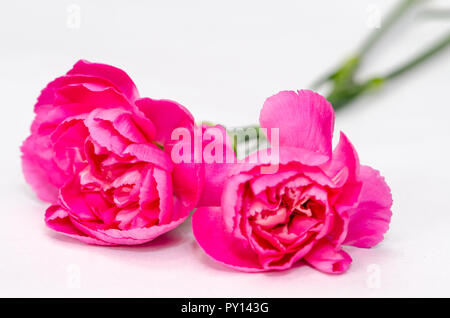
[344, 164]
[269, 162]
[370, 219]
[104, 133]
[90, 97]
[48, 94]
[58, 220]
[164, 186]
[123, 122]
[121, 81]
[343, 170]
[305, 120]
[129, 237]
[151, 154]
[326, 258]
[209, 231]
[166, 115]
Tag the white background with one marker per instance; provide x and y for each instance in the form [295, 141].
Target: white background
[221, 59]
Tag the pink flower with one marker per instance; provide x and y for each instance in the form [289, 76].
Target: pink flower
[102, 154]
[319, 199]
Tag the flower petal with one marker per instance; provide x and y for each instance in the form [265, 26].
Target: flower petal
[305, 120]
[370, 219]
[37, 177]
[216, 171]
[48, 94]
[90, 97]
[326, 258]
[58, 220]
[210, 233]
[166, 115]
[284, 157]
[150, 153]
[121, 81]
[104, 133]
[39, 168]
[344, 164]
[164, 186]
[130, 237]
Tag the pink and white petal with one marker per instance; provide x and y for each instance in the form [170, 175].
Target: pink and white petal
[121, 81]
[151, 154]
[122, 121]
[105, 135]
[262, 182]
[209, 231]
[324, 257]
[58, 220]
[166, 115]
[305, 120]
[370, 219]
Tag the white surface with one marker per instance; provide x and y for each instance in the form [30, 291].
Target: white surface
[222, 59]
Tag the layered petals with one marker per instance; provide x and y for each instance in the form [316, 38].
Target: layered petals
[101, 156]
[48, 163]
[59, 220]
[297, 200]
[210, 232]
[166, 115]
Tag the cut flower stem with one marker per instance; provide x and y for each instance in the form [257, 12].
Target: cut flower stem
[345, 88]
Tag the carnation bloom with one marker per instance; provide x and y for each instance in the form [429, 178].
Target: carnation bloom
[318, 200]
[101, 154]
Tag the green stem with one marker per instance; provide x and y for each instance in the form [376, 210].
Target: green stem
[419, 59]
[374, 37]
[339, 98]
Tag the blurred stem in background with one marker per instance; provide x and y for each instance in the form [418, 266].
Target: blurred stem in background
[345, 88]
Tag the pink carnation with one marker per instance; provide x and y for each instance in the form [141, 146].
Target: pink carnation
[318, 200]
[102, 155]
